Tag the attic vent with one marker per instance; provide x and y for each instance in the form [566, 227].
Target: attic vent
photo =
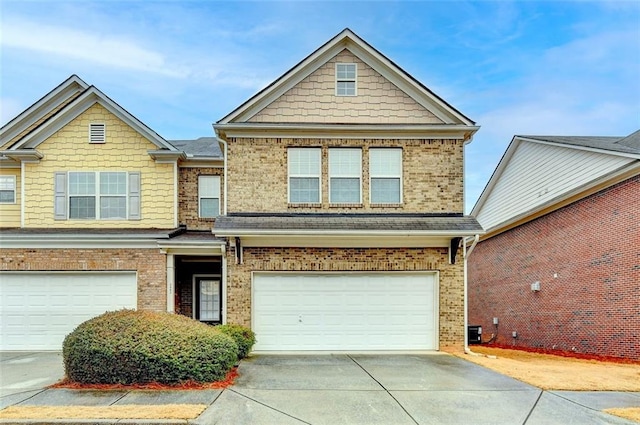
[97, 133]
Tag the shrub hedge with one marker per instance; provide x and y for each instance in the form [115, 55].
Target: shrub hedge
[127, 347]
[244, 337]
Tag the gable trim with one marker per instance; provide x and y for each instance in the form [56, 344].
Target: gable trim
[41, 108]
[578, 147]
[88, 98]
[365, 52]
[347, 131]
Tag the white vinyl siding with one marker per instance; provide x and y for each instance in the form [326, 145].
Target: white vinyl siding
[92, 195]
[536, 174]
[304, 175]
[208, 196]
[385, 173]
[345, 176]
[345, 311]
[346, 79]
[7, 189]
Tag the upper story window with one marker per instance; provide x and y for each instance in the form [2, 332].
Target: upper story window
[7, 189]
[345, 175]
[346, 74]
[92, 195]
[304, 175]
[97, 133]
[385, 172]
[208, 196]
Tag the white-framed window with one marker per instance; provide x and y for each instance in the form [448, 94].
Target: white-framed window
[97, 133]
[208, 196]
[7, 189]
[345, 175]
[304, 175]
[346, 77]
[385, 174]
[97, 195]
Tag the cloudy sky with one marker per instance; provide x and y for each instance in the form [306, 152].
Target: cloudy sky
[519, 67]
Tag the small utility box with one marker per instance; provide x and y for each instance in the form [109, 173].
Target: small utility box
[474, 334]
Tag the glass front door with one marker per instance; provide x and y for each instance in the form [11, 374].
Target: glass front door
[208, 299]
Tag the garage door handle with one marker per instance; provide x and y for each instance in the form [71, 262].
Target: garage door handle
[300, 318]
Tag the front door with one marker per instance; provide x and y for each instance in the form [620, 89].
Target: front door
[208, 299]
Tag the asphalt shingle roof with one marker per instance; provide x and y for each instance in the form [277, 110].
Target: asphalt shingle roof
[349, 222]
[201, 147]
[629, 144]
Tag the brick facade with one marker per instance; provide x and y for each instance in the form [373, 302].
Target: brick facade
[432, 175]
[350, 259]
[188, 196]
[150, 265]
[586, 257]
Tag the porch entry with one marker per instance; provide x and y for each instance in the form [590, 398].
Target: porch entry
[199, 292]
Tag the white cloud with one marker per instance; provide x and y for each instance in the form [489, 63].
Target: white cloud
[104, 49]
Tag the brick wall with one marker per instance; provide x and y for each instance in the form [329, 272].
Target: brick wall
[350, 259]
[150, 265]
[432, 175]
[586, 257]
[314, 100]
[188, 196]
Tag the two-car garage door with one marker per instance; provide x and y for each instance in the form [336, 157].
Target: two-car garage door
[352, 311]
[39, 309]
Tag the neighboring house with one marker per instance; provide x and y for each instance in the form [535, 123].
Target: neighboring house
[327, 214]
[560, 262]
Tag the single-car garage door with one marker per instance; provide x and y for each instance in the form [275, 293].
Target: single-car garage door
[40, 309]
[353, 311]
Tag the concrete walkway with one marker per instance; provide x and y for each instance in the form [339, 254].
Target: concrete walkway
[362, 389]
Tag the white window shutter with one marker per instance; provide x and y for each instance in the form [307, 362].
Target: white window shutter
[134, 196]
[60, 200]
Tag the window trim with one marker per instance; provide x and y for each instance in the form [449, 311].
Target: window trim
[385, 176]
[354, 80]
[201, 197]
[62, 195]
[330, 176]
[13, 180]
[307, 176]
[102, 137]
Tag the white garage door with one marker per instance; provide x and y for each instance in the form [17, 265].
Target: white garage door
[40, 309]
[355, 311]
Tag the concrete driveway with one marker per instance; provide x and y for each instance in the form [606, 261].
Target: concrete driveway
[337, 389]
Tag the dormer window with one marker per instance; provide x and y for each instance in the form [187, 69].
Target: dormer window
[346, 79]
[97, 133]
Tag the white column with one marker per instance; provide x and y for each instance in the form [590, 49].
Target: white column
[171, 284]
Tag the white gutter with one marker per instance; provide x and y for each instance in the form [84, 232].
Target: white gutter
[321, 232]
[224, 154]
[465, 254]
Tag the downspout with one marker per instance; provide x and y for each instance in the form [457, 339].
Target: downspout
[225, 175]
[465, 254]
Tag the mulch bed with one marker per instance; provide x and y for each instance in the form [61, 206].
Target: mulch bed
[561, 353]
[187, 385]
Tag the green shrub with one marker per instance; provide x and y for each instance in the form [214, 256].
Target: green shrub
[244, 337]
[127, 347]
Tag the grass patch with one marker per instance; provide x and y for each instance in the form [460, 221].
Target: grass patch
[551, 372]
[169, 411]
[632, 413]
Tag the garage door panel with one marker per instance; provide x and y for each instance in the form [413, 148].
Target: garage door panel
[40, 309]
[359, 311]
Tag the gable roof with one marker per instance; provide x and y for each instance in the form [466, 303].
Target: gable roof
[59, 107]
[347, 39]
[560, 170]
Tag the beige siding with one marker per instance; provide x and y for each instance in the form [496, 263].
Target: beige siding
[313, 100]
[10, 213]
[125, 150]
[432, 175]
[537, 174]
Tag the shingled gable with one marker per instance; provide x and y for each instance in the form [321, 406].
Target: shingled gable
[61, 106]
[451, 120]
